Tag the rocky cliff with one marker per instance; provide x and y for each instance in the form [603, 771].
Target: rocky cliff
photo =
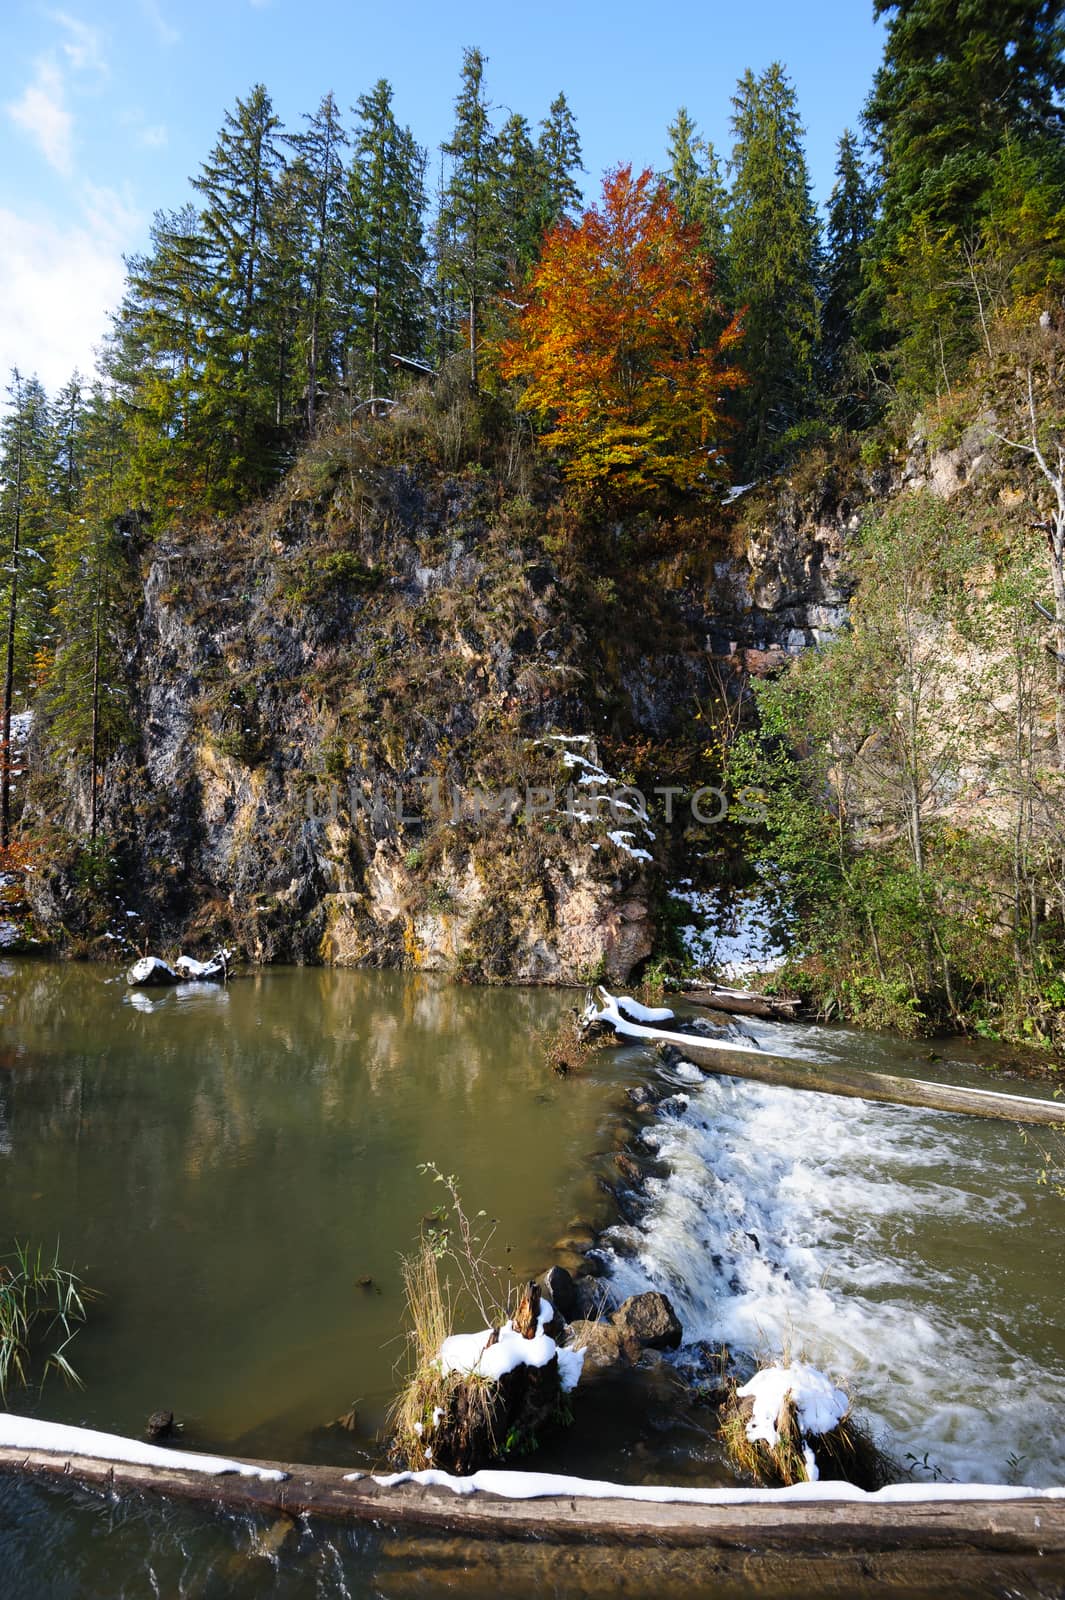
[347, 704]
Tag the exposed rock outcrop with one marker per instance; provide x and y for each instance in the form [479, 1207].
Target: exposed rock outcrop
[341, 701]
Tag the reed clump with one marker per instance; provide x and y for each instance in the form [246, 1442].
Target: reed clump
[41, 1303]
[565, 1047]
[436, 1413]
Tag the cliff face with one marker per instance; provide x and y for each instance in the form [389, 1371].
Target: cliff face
[344, 705]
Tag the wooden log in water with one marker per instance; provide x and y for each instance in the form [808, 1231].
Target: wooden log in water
[854, 1084]
[756, 1060]
[1035, 1526]
[745, 1003]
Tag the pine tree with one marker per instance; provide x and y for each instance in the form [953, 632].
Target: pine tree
[560, 152]
[468, 230]
[851, 213]
[773, 263]
[382, 246]
[320, 176]
[25, 528]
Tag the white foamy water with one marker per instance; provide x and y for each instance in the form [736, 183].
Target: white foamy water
[908, 1253]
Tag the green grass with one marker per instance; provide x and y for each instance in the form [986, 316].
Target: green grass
[41, 1303]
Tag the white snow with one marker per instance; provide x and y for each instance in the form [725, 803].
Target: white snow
[57, 1438]
[470, 1354]
[736, 934]
[607, 1011]
[150, 969]
[640, 1013]
[819, 1405]
[735, 492]
[622, 837]
[541, 1485]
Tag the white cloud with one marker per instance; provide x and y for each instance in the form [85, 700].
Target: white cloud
[165, 31]
[153, 137]
[82, 45]
[58, 284]
[41, 112]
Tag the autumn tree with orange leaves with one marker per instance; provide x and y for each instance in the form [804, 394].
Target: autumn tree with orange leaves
[613, 346]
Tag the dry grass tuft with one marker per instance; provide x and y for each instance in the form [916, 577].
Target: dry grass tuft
[565, 1048]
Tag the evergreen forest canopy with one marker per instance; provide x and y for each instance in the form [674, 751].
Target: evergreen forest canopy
[695, 327]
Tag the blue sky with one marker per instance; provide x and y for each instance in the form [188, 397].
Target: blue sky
[108, 106]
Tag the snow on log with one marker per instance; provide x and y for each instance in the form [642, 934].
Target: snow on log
[27, 1433]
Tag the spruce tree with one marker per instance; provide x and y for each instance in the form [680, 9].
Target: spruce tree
[382, 245]
[67, 414]
[157, 356]
[238, 183]
[851, 213]
[85, 698]
[469, 246]
[560, 153]
[955, 80]
[319, 150]
[696, 188]
[773, 264]
[525, 197]
[25, 529]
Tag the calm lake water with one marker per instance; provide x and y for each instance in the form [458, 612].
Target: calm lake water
[223, 1166]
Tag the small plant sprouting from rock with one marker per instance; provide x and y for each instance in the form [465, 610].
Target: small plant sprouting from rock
[39, 1300]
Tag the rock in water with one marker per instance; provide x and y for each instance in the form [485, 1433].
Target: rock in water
[558, 1286]
[606, 1350]
[149, 972]
[650, 1320]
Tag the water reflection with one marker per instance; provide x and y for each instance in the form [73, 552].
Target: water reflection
[226, 1164]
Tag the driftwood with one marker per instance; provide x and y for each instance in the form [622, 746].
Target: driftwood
[742, 1003]
[1033, 1527]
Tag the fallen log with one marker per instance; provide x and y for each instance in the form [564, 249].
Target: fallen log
[743, 1003]
[990, 1520]
[761, 1064]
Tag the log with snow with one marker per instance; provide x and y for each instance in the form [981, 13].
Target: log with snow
[631, 1020]
[772, 1059]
